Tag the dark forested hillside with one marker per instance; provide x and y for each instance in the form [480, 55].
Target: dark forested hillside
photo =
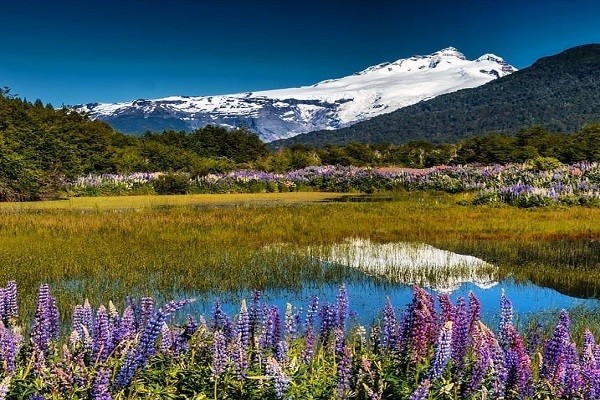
[41, 148]
[560, 92]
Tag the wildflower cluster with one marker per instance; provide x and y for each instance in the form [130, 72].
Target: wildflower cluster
[523, 185]
[434, 348]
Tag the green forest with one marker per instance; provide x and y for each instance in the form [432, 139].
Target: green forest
[42, 149]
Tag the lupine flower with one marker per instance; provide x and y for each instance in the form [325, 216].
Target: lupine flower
[292, 321]
[556, 346]
[344, 373]
[443, 349]
[342, 307]
[219, 353]
[281, 351]
[100, 388]
[243, 325]
[506, 320]
[422, 328]
[313, 309]
[460, 337]
[310, 343]
[483, 362]
[238, 356]
[518, 364]
[11, 308]
[474, 312]
[145, 348]
[389, 334]
[447, 308]
[146, 311]
[42, 333]
[102, 335]
[166, 339]
[422, 391]
[9, 347]
[328, 320]
[279, 379]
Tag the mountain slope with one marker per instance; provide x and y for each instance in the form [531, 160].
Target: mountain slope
[331, 104]
[560, 92]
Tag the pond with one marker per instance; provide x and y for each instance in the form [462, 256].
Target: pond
[390, 270]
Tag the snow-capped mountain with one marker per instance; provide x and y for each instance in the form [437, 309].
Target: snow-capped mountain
[330, 104]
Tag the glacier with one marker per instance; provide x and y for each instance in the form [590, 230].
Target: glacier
[327, 105]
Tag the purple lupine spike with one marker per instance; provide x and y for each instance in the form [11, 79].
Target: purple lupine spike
[255, 315]
[100, 389]
[389, 332]
[404, 328]
[574, 381]
[9, 346]
[166, 339]
[279, 379]
[102, 338]
[344, 373]
[113, 315]
[126, 328]
[36, 396]
[11, 306]
[87, 316]
[443, 350]
[590, 372]
[281, 351]
[265, 339]
[499, 365]
[474, 312]
[276, 318]
[339, 341]
[219, 354]
[328, 320]
[482, 364]
[447, 309]
[311, 314]
[422, 329]
[239, 358]
[460, 337]
[243, 325]
[506, 320]
[292, 321]
[146, 311]
[519, 366]
[310, 343]
[422, 391]
[3, 311]
[41, 334]
[556, 346]
[342, 307]
[138, 356]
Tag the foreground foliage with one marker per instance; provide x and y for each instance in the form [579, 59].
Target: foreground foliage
[431, 349]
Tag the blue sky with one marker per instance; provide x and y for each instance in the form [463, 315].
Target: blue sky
[70, 52]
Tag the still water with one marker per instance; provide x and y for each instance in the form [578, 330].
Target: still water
[390, 270]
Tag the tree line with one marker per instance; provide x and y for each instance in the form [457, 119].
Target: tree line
[42, 148]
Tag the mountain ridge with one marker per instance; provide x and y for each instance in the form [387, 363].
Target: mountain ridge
[329, 104]
[560, 92]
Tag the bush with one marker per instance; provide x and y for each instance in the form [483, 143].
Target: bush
[172, 184]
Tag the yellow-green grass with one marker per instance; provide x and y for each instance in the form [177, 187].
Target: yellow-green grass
[149, 201]
[111, 247]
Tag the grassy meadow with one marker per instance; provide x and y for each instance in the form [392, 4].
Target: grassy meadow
[109, 247]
